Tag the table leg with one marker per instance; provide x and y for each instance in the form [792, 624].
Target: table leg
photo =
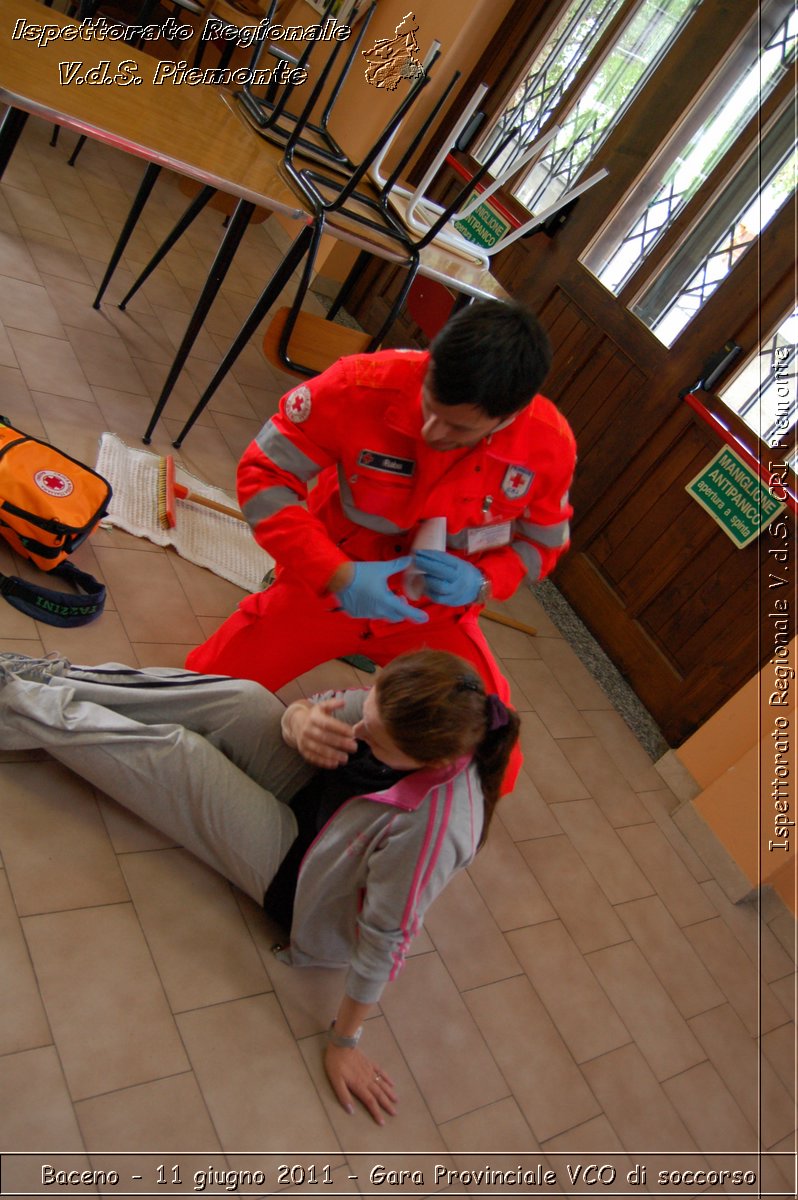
[11, 127]
[267, 298]
[142, 195]
[194, 209]
[219, 268]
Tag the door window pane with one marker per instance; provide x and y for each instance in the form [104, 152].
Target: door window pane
[735, 219]
[610, 87]
[694, 152]
[764, 392]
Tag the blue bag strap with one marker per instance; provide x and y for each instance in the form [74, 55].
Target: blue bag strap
[65, 609]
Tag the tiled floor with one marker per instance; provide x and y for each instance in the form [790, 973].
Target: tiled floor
[586, 993]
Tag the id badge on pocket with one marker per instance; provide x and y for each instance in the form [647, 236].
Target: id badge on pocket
[488, 537]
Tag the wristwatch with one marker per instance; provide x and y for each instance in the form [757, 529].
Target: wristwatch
[483, 595]
[342, 1042]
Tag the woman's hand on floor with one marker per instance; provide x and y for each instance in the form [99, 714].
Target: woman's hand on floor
[318, 735]
[353, 1075]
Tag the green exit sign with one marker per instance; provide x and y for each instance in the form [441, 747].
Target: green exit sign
[734, 495]
[484, 226]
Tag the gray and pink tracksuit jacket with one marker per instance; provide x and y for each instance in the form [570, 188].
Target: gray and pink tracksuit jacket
[376, 866]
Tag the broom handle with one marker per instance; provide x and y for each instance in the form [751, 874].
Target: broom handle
[511, 622]
[182, 493]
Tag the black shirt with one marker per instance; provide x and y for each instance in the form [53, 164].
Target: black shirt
[313, 805]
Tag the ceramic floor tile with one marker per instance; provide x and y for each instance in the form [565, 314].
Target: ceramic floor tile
[35, 212]
[635, 1104]
[674, 884]
[16, 261]
[35, 1105]
[525, 814]
[660, 804]
[57, 256]
[546, 765]
[758, 941]
[508, 643]
[670, 955]
[254, 1080]
[657, 1027]
[55, 846]
[104, 1000]
[210, 595]
[104, 640]
[542, 690]
[72, 424]
[28, 306]
[23, 1023]
[755, 1086]
[49, 365]
[605, 855]
[7, 356]
[237, 431]
[709, 1111]
[134, 580]
[500, 1125]
[167, 1114]
[778, 1047]
[524, 607]
[506, 884]
[94, 240]
[185, 907]
[443, 1047]
[574, 894]
[572, 675]
[469, 941]
[128, 833]
[624, 749]
[576, 1003]
[597, 1135]
[736, 976]
[614, 796]
[105, 360]
[528, 1049]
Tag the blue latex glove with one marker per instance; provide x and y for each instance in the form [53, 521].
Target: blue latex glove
[448, 579]
[368, 595]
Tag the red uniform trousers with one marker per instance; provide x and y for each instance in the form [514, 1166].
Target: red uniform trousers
[276, 635]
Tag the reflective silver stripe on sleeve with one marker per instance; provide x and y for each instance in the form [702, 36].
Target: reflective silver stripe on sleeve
[530, 558]
[268, 502]
[284, 454]
[356, 515]
[547, 535]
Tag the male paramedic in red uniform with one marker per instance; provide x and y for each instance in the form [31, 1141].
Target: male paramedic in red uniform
[394, 438]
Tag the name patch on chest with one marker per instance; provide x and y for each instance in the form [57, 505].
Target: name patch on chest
[388, 463]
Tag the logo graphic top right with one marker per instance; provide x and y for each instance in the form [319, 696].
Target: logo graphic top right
[392, 59]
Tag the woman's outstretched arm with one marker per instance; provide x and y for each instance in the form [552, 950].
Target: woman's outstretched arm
[349, 1071]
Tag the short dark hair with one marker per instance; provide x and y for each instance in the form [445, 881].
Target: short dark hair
[490, 354]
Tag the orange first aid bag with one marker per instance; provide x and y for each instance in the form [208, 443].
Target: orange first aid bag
[49, 504]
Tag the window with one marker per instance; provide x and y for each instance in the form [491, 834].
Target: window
[708, 132]
[764, 393]
[593, 64]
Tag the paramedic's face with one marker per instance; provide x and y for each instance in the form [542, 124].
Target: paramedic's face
[371, 730]
[454, 426]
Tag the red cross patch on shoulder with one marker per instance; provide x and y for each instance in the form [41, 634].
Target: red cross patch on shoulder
[297, 405]
[517, 482]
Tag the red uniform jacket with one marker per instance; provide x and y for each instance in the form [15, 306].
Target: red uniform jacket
[356, 429]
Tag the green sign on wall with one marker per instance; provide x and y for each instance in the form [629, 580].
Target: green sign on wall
[735, 496]
[484, 226]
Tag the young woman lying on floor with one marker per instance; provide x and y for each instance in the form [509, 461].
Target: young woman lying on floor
[344, 816]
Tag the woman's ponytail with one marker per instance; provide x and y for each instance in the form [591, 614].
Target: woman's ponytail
[493, 754]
